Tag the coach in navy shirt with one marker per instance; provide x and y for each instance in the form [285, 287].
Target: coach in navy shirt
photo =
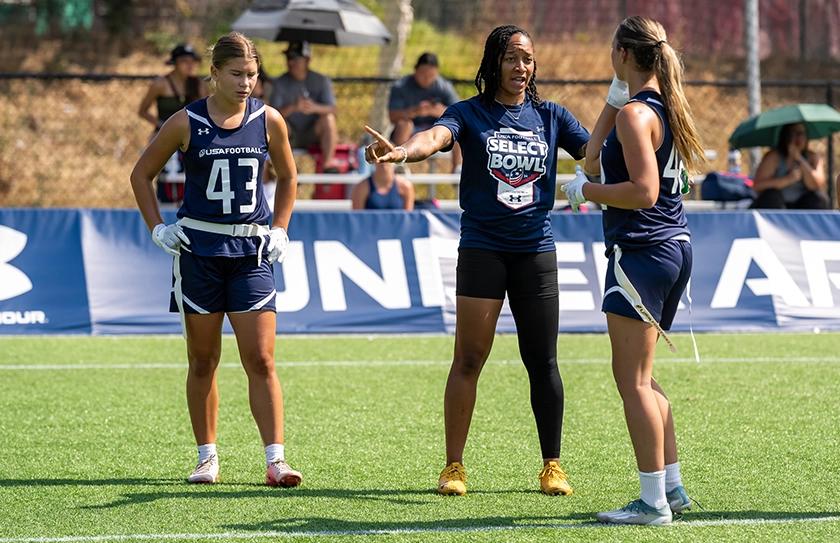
[509, 137]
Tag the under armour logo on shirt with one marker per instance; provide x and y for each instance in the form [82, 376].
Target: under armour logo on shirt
[203, 131]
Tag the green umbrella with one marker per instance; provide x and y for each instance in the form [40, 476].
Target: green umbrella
[763, 130]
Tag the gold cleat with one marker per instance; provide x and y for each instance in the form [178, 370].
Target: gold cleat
[553, 480]
[453, 480]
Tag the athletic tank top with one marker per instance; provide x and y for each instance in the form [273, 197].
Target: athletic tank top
[224, 168]
[666, 219]
[389, 200]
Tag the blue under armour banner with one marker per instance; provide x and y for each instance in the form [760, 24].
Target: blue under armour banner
[98, 272]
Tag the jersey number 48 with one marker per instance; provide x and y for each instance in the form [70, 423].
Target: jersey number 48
[675, 170]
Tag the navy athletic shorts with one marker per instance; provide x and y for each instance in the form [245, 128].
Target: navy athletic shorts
[659, 274]
[212, 284]
[490, 274]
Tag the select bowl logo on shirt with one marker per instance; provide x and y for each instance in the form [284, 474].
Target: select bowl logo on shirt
[516, 159]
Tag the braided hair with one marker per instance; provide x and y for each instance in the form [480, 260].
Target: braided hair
[488, 77]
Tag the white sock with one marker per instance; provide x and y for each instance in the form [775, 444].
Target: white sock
[653, 488]
[275, 453]
[206, 451]
[673, 479]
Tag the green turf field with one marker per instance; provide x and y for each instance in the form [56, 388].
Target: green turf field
[95, 443]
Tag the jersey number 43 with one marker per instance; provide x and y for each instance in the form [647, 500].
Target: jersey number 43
[221, 169]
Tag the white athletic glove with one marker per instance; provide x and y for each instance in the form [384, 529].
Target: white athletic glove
[619, 93]
[278, 241]
[170, 238]
[574, 189]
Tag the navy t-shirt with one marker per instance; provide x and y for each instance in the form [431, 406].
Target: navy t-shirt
[509, 171]
[632, 228]
[223, 172]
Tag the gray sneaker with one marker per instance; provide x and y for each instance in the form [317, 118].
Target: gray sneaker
[637, 512]
[678, 500]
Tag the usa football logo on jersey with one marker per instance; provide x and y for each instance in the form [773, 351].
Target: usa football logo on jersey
[516, 159]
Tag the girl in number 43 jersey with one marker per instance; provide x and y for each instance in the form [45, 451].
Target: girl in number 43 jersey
[642, 149]
[223, 246]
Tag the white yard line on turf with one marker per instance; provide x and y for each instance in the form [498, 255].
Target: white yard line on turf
[377, 363]
[239, 536]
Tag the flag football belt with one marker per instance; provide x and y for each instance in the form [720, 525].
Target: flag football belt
[235, 230]
[626, 289]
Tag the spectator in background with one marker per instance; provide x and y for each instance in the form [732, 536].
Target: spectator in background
[791, 176]
[384, 189]
[262, 89]
[170, 93]
[305, 99]
[417, 100]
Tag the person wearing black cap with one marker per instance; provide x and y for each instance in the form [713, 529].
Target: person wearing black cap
[305, 99]
[170, 93]
[417, 100]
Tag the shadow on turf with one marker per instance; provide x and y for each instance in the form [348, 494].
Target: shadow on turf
[321, 525]
[88, 482]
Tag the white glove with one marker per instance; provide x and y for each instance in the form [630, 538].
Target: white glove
[170, 238]
[619, 93]
[574, 189]
[278, 241]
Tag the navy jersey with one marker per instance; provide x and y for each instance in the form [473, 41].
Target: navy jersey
[224, 169]
[666, 219]
[509, 172]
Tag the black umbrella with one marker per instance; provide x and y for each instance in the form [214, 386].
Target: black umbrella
[331, 22]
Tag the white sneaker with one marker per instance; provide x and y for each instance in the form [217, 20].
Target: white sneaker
[637, 512]
[279, 473]
[206, 472]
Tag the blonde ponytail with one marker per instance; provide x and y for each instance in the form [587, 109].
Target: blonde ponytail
[668, 69]
[647, 40]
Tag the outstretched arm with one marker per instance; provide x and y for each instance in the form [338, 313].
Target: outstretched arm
[420, 147]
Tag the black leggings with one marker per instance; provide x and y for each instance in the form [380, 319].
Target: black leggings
[530, 280]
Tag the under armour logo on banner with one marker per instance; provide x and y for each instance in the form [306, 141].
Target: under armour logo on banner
[13, 282]
[203, 131]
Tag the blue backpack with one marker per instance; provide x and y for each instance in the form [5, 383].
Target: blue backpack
[726, 187]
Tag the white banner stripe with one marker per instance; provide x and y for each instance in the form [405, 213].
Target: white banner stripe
[405, 531]
[391, 363]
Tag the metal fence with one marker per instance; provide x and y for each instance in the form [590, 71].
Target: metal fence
[71, 141]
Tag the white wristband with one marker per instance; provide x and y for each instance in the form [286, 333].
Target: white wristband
[405, 154]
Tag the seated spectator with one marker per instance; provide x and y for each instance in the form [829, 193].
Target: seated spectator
[417, 100]
[305, 99]
[262, 88]
[791, 176]
[383, 190]
[170, 93]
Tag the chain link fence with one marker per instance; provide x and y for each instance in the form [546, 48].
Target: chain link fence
[73, 142]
